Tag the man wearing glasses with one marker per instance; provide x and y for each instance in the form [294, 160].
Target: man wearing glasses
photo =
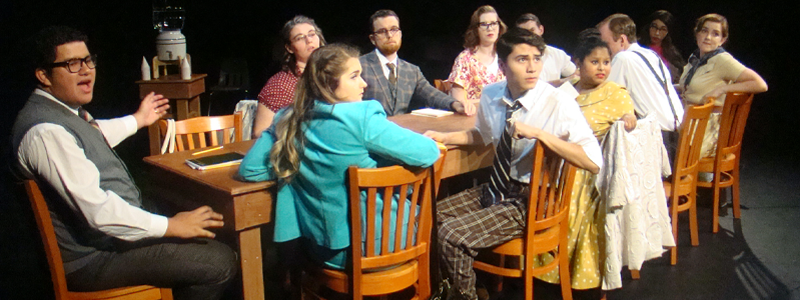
[107, 240]
[395, 82]
[557, 63]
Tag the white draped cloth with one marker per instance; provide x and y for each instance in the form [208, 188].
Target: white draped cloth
[637, 220]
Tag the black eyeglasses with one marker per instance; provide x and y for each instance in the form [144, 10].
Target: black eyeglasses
[488, 25]
[74, 65]
[387, 32]
[655, 27]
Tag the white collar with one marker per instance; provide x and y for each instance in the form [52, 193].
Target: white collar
[385, 60]
[527, 98]
[47, 95]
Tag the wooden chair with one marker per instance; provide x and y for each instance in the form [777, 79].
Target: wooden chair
[683, 183]
[392, 270]
[45, 224]
[443, 85]
[725, 165]
[201, 132]
[547, 224]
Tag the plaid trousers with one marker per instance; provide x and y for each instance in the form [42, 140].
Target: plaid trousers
[466, 227]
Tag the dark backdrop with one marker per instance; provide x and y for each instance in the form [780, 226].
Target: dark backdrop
[121, 33]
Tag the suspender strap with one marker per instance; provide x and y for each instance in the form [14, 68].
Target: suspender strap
[662, 82]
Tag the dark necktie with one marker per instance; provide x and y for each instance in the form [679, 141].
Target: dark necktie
[500, 181]
[392, 73]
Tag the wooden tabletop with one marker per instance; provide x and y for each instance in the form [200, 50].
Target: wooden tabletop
[222, 179]
[420, 124]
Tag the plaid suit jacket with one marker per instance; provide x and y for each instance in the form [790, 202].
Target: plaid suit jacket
[411, 84]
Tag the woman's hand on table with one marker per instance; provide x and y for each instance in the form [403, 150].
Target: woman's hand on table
[630, 122]
[192, 224]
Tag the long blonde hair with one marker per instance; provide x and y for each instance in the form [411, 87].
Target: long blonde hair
[318, 82]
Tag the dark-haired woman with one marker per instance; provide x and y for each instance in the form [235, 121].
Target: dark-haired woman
[312, 143]
[602, 103]
[478, 65]
[300, 36]
[655, 35]
[712, 72]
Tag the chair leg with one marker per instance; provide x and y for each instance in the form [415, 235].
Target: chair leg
[563, 269]
[424, 278]
[715, 216]
[528, 286]
[693, 231]
[635, 274]
[499, 279]
[674, 216]
[737, 213]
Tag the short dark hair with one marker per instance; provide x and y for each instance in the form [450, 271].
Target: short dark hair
[588, 40]
[515, 36]
[47, 40]
[383, 13]
[526, 17]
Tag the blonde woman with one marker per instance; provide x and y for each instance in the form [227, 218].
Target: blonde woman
[309, 148]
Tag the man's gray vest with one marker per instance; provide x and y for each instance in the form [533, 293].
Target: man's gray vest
[79, 242]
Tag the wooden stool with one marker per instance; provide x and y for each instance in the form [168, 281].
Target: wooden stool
[158, 64]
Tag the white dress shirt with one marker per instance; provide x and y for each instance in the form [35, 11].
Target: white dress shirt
[385, 61]
[556, 64]
[543, 107]
[50, 152]
[631, 72]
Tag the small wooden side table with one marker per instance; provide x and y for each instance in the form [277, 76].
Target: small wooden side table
[184, 100]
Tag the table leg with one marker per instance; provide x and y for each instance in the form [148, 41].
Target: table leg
[252, 273]
[155, 139]
[194, 107]
[182, 109]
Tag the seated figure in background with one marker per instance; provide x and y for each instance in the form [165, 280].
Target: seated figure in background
[300, 36]
[478, 65]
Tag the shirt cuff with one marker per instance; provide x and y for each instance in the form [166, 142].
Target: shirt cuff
[131, 126]
[158, 226]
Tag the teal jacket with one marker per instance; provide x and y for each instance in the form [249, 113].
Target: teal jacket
[314, 203]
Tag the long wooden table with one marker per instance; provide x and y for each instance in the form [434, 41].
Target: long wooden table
[248, 206]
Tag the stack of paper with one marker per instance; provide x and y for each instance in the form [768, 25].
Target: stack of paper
[431, 112]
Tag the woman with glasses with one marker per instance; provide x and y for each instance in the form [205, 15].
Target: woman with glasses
[301, 36]
[327, 129]
[655, 35]
[712, 72]
[478, 64]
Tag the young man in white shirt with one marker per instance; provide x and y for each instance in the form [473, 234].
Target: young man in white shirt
[516, 113]
[642, 72]
[557, 64]
[107, 240]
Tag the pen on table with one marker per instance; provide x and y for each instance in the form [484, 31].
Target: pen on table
[207, 150]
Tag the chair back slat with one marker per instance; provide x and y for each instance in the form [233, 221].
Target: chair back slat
[410, 191]
[388, 193]
[401, 215]
[692, 130]
[550, 188]
[734, 116]
[201, 132]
